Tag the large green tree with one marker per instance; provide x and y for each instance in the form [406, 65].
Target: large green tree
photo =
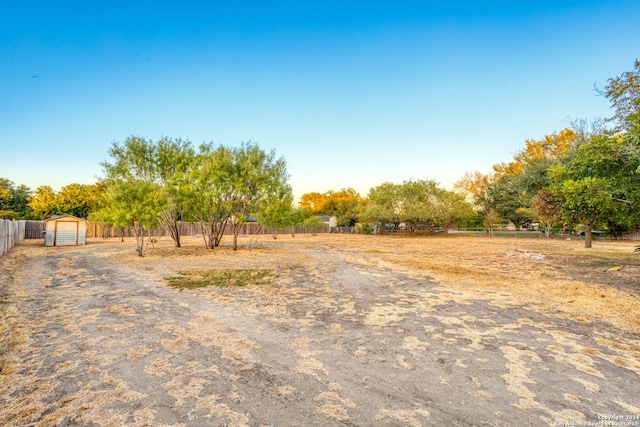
[418, 203]
[507, 199]
[382, 205]
[452, 208]
[413, 203]
[134, 204]
[163, 165]
[135, 197]
[174, 160]
[585, 200]
[256, 180]
[601, 183]
[231, 184]
[208, 195]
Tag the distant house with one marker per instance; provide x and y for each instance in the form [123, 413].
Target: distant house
[330, 221]
[65, 230]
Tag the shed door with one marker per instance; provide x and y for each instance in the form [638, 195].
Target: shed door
[66, 233]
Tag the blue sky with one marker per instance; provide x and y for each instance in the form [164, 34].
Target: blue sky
[350, 94]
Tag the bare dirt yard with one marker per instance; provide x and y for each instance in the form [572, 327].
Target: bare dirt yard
[324, 330]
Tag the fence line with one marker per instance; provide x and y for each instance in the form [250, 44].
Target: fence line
[11, 233]
[35, 229]
[634, 235]
[186, 229]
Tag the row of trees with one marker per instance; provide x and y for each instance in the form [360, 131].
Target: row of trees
[19, 202]
[412, 204]
[74, 199]
[416, 204]
[345, 205]
[586, 175]
[168, 181]
[148, 184]
[14, 200]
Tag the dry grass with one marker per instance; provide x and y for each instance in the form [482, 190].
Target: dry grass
[405, 417]
[286, 390]
[9, 319]
[583, 284]
[11, 298]
[333, 411]
[571, 281]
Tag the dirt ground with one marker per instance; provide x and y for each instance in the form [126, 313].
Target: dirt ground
[353, 331]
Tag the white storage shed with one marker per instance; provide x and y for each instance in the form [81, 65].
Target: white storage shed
[65, 230]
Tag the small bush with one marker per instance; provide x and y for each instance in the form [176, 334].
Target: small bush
[314, 224]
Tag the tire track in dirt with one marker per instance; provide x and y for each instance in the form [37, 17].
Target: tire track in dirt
[492, 362]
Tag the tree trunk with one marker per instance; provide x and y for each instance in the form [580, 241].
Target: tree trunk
[222, 225]
[212, 232]
[176, 239]
[207, 229]
[588, 238]
[236, 231]
[212, 236]
[167, 220]
[141, 246]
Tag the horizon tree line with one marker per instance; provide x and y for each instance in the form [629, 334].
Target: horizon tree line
[586, 175]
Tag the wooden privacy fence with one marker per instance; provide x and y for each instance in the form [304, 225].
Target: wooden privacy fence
[405, 231]
[35, 229]
[11, 233]
[105, 231]
[186, 229]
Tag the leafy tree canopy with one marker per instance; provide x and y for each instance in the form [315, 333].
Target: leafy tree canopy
[74, 199]
[14, 200]
[344, 204]
[623, 92]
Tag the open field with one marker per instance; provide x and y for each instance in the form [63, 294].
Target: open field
[320, 331]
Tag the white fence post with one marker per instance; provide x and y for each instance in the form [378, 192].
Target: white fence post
[11, 233]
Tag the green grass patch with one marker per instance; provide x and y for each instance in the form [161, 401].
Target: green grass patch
[192, 279]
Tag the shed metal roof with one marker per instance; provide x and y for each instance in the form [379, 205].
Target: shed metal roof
[64, 216]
